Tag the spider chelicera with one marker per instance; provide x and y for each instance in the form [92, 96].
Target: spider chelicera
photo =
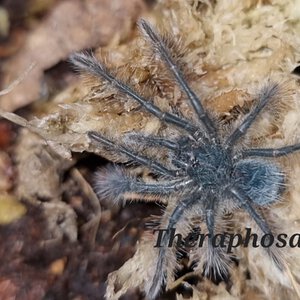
[208, 170]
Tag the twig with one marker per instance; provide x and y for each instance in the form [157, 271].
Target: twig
[18, 80]
[92, 224]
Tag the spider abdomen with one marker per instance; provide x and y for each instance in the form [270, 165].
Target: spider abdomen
[261, 180]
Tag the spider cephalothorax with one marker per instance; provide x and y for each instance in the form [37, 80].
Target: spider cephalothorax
[208, 170]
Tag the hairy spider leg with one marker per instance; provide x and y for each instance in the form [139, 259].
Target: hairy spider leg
[271, 152]
[90, 64]
[156, 188]
[161, 48]
[143, 160]
[155, 141]
[114, 183]
[176, 215]
[210, 216]
[266, 94]
[245, 202]
[216, 265]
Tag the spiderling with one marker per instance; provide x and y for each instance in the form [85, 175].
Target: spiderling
[209, 172]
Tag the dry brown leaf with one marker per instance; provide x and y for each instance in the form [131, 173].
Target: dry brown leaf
[73, 25]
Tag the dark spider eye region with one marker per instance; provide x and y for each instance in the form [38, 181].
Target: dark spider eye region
[211, 166]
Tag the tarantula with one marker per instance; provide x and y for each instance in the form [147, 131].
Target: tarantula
[211, 172]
